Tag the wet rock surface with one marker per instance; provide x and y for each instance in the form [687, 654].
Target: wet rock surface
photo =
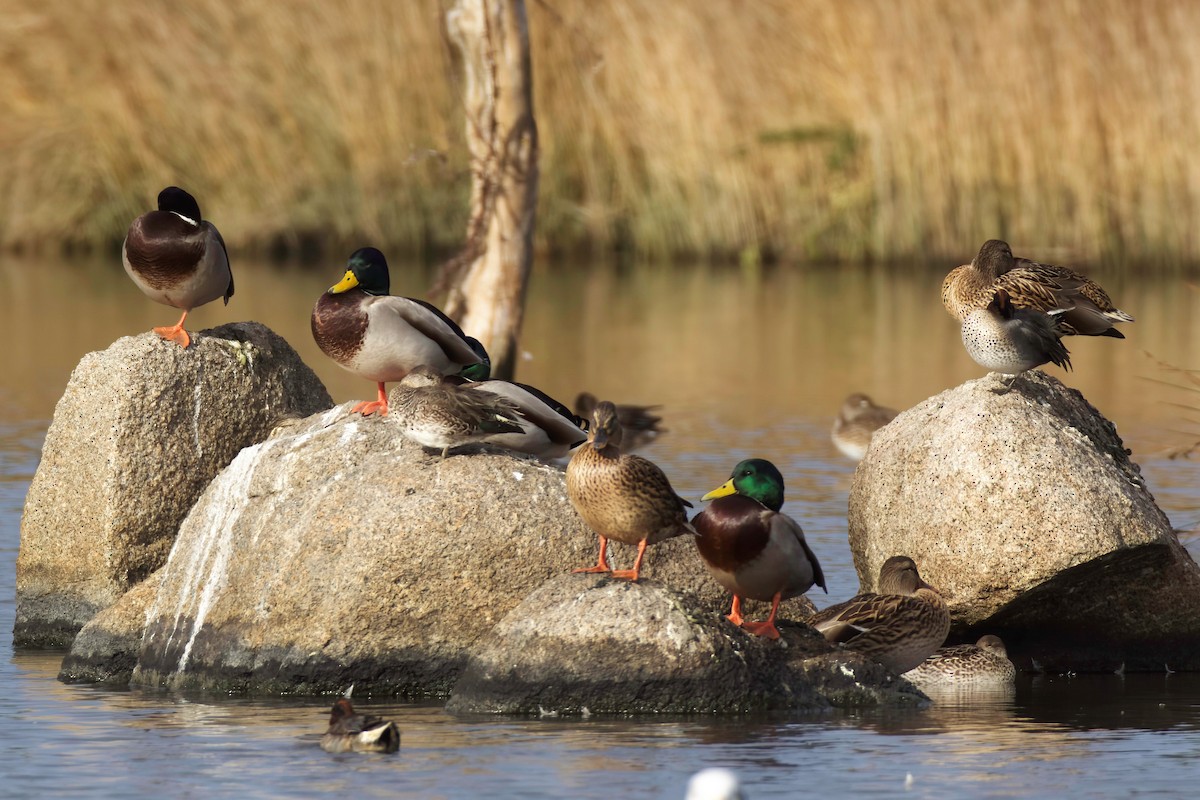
[585, 644]
[1024, 509]
[106, 649]
[139, 432]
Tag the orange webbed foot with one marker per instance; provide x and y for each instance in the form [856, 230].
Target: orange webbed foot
[175, 333]
[766, 629]
[597, 568]
[631, 574]
[368, 408]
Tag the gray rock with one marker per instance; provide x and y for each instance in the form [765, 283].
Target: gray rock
[106, 649]
[139, 432]
[586, 644]
[338, 552]
[1025, 510]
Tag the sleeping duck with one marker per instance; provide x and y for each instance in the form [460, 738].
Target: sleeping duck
[381, 337]
[177, 258]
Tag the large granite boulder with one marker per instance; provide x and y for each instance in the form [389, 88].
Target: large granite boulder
[1024, 509]
[338, 552]
[139, 432]
[106, 649]
[584, 644]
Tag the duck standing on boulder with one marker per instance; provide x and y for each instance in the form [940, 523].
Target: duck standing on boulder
[985, 662]
[435, 413]
[899, 627]
[1085, 307]
[177, 258]
[751, 547]
[1011, 340]
[622, 496]
[351, 731]
[856, 423]
[381, 337]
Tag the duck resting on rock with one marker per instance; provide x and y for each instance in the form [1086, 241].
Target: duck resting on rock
[438, 414]
[1011, 340]
[177, 258]
[382, 337]
[753, 549]
[622, 496]
[900, 626]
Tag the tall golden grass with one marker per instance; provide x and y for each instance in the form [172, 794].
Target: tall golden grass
[806, 129]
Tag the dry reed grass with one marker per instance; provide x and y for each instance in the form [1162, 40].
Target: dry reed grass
[806, 129]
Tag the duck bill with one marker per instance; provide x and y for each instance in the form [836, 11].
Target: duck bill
[723, 490]
[348, 282]
[600, 439]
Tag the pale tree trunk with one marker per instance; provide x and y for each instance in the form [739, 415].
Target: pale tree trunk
[485, 284]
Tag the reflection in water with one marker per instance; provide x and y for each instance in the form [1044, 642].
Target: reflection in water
[746, 363]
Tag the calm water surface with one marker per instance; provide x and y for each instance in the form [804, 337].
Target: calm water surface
[745, 363]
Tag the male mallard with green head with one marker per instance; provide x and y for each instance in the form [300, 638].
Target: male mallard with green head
[382, 337]
[622, 496]
[751, 547]
[351, 731]
[899, 627]
[1086, 308]
[177, 258]
[986, 661]
[856, 423]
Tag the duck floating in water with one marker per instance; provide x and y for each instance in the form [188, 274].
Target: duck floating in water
[985, 662]
[353, 732]
[856, 423]
[900, 626]
[1085, 307]
[751, 547]
[622, 496]
[382, 337]
[177, 258]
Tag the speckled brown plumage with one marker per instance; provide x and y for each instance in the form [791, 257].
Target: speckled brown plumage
[621, 496]
[856, 423]
[1011, 340]
[899, 627]
[442, 415]
[1087, 308]
[986, 661]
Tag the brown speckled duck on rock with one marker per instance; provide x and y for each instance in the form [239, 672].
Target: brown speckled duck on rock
[1085, 307]
[381, 337]
[622, 496]
[899, 627]
[438, 414]
[1011, 340]
[177, 258]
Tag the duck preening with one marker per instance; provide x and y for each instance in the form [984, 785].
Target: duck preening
[350, 731]
[177, 258]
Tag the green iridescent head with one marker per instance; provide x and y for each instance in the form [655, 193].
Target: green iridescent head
[755, 478]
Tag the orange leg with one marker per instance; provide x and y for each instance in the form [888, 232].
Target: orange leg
[735, 613]
[767, 628]
[379, 405]
[632, 574]
[176, 333]
[601, 563]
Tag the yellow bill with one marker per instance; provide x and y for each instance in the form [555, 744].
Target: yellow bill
[348, 282]
[723, 490]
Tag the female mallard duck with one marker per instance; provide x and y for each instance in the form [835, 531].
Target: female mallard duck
[439, 414]
[177, 258]
[548, 428]
[1086, 308]
[986, 661]
[856, 423]
[639, 423]
[381, 337]
[350, 731]
[622, 496]
[1010, 340]
[753, 549]
[899, 627]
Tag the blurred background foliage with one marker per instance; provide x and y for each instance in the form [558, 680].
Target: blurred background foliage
[803, 130]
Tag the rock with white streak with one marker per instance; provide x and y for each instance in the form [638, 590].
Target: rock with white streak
[141, 429]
